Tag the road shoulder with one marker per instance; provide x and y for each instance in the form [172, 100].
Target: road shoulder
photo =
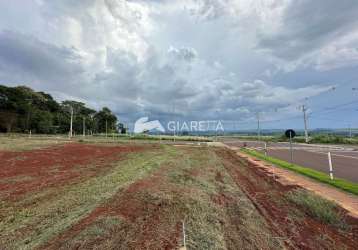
[286, 177]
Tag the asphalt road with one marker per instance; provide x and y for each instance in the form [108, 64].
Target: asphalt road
[344, 157]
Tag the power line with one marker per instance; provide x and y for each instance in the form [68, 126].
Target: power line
[334, 108]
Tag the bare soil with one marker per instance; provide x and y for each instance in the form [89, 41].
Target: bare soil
[28, 171]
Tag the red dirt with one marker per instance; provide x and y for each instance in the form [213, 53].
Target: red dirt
[302, 233]
[146, 219]
[23, 172]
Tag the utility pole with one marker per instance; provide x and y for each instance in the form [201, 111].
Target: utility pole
[175, 127]
[304, 109]
[216, 131]
[84, 126]
[71, 121]
[28, 116]
[258, 126]
[106, 127]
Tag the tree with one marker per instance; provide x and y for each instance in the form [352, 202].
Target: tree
[80, 113]
[23, 109]
[105, 121]
[121, 128]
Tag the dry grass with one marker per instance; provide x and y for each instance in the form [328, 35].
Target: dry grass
[20, 143]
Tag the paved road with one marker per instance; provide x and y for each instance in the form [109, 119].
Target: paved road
[344, 158]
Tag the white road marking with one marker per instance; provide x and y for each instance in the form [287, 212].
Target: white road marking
[314, 151]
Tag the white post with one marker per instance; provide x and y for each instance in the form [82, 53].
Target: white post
[258, 126]
[330, 165]
[265, 148]
[304, 109]
[184, 236]
[84, 127]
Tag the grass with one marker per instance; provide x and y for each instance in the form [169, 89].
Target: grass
[318, 207]
[314, 174]
[157, 137]
[313, 139]
[30, 222]
[21, 142]
[15, 143]
[213, 226]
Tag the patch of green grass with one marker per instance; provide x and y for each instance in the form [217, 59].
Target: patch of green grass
[153, 137]
[314, 174]
[324, 210]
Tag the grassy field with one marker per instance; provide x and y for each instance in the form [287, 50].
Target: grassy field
[139, 195]
[18, 142]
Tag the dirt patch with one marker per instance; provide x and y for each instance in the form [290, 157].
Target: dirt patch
[285, 219]
[55, 166]
[146, 220]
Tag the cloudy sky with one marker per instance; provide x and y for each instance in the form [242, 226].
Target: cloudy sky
[190, 59]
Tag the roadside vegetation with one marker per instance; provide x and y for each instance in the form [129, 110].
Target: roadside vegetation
[333, 139]
[314, 174]
[318, 207]
[313, 139]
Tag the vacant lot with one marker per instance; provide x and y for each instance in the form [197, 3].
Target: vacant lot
[137, 196]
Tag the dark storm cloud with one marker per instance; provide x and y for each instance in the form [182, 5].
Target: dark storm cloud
[309, 25]
[29, 56]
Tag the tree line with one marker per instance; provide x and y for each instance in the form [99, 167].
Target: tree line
[23, 110]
